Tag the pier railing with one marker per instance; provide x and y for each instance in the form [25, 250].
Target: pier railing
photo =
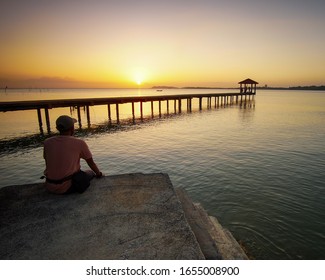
[220, 99]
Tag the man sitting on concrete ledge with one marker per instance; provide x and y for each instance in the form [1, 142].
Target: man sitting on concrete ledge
[62, 156]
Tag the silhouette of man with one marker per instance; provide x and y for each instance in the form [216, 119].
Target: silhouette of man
[62, 156]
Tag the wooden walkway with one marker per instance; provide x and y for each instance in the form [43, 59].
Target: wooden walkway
[219, 100]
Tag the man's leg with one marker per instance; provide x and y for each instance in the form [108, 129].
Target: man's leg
[91, 174]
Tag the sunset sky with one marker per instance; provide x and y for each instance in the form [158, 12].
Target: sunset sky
[130, 43]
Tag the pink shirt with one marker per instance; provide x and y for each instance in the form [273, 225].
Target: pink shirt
[62, 156]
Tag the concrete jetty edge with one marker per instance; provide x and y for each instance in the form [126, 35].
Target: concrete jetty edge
[128, 216]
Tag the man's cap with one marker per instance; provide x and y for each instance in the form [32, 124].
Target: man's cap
[64, 123]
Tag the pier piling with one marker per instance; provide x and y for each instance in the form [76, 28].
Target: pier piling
[141, 110]
[159, 108]
[40, 123]
[88, 115]
[133, 113]
[152, 114]
[117, 114]
[179, 105]
[79, 116]
[47, 118]
[109, 113]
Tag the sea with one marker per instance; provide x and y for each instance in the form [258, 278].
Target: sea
[258, 167]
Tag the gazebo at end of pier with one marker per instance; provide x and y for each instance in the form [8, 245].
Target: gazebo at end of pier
[248, 86]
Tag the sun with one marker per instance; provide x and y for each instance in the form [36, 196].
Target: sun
[139, 76]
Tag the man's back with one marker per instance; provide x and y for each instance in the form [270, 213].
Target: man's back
[62, 156]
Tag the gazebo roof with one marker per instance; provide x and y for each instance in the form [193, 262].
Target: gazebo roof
[248, 81]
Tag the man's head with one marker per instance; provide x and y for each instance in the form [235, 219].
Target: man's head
[65, 124]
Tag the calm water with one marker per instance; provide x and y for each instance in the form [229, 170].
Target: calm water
[259, 169]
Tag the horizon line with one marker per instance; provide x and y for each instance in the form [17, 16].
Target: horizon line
[164, 87]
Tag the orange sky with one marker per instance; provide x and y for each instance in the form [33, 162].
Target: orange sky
[124, 43]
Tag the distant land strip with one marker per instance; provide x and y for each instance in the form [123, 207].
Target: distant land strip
[265, 87]
[308, 88]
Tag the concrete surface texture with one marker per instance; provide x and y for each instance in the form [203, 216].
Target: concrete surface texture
[132, 216]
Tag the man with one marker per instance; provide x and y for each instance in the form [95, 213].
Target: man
[62, 156]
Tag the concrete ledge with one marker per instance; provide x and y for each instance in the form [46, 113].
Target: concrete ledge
[215, 241]
[131, 216]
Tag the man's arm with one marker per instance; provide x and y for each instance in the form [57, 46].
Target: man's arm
[94, 167]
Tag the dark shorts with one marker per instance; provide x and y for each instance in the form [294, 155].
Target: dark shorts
[81, 182]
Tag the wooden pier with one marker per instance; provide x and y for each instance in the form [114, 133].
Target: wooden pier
[219, 99]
